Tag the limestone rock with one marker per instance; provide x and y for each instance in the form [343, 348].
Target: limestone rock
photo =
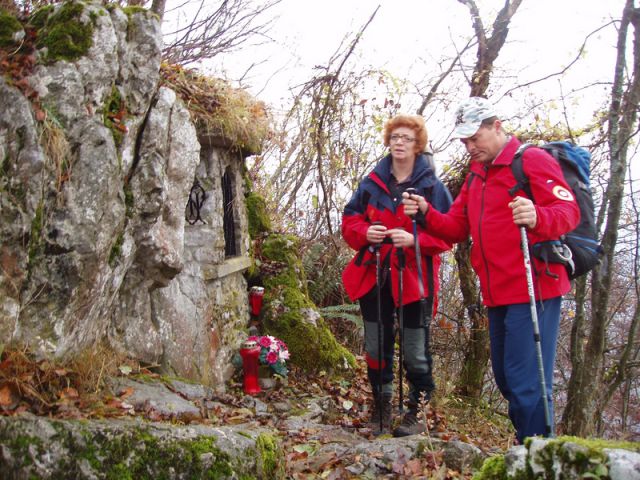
[94, 242]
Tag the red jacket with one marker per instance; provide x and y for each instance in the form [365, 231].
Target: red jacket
[481, 210]
[371, 203]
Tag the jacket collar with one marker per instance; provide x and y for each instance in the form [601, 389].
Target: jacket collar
[422, 173]
[505, 157]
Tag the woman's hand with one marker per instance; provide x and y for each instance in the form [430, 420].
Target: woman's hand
[376, 233]
[400, 238]
[524, 212]
[412, 203]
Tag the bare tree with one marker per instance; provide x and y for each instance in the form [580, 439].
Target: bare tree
[328, 141]
[585, 393]
[209, 31]
[158, 6]
[471, 380]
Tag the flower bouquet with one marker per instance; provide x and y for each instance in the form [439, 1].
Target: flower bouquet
[273, 353]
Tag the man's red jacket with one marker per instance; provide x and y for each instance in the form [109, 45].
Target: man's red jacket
[481, 210]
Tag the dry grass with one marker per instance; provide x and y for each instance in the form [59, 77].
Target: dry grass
[54, 387]
[56, 148]
[219, 109]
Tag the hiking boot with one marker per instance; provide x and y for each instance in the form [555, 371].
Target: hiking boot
[374, 421]
[412, 423]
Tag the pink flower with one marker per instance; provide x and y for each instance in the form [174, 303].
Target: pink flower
[272, 357]
[264, 341]
[283, 355]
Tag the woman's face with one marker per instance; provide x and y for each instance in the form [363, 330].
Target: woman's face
[402, 144]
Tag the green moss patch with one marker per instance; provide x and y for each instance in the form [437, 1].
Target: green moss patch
[270, 457]
[9, 25]
[134, 454]
[563, 457]
[114, 115]
[292, 316]
[64, 32]
[259, 221]
[493, 468]
[116, 250]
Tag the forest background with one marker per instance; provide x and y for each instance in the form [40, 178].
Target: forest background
[333, 73]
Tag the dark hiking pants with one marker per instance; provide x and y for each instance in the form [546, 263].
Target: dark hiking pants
[417, 356]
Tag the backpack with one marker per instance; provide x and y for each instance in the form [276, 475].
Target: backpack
[579, 249]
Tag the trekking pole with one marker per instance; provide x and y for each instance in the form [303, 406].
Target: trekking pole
[376, 248]
[401, 263]
[423, 300]
[413, 191]
[536, 328]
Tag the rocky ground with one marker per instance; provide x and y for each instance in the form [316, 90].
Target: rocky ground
[319, 421]
[103, 417]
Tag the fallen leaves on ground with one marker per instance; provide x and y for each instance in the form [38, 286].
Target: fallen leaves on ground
[44, 388]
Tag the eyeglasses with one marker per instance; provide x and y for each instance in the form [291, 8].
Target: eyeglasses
[405, 138]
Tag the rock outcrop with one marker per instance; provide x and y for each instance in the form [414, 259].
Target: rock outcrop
[96, 170]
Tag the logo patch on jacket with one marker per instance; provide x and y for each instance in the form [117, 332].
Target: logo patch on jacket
[562, 193]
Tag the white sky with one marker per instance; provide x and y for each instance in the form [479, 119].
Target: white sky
[308, 32]
[407, 38]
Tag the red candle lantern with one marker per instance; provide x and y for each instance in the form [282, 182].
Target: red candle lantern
[255, 300]
[250, 352]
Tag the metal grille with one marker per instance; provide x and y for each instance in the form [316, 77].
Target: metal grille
[197, 196]
[229, 225]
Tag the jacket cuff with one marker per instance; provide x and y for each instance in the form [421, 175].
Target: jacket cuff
[420, 219]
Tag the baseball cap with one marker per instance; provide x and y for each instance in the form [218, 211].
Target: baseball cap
[470, 115]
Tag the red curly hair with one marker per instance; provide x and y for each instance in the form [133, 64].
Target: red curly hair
[414, 122]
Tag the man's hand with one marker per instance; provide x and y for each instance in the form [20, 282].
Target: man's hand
[400, 238]
[376, 233]
[524, 212]
[412, 203]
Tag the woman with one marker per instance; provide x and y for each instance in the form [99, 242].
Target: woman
[374, 219]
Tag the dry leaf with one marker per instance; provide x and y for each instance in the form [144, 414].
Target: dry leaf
[9, 396]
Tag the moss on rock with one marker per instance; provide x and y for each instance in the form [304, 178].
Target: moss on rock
[114, 114]
[64, 31]
[562, 457]
[133, 453]
[9, 26]
[493, 468]
[292, 316]
[270, 457]
[259, 221]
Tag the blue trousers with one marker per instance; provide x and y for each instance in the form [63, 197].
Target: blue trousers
[515, 364]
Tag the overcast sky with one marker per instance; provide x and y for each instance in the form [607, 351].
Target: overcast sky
[406, 36]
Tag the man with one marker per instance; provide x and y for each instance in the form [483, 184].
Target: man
[492, 215]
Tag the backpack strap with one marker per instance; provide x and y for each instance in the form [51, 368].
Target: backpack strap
[522, 182]
[472, 175]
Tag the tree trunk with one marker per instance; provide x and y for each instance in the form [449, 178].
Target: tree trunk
[476, 357]
[586, 384]
[477, 351]
[158, 7]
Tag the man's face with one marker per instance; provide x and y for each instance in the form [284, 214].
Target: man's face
[485, 144]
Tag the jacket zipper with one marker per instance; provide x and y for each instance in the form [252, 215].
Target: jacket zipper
[484, 257]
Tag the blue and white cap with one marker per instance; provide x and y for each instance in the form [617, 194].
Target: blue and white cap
[470, 115]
